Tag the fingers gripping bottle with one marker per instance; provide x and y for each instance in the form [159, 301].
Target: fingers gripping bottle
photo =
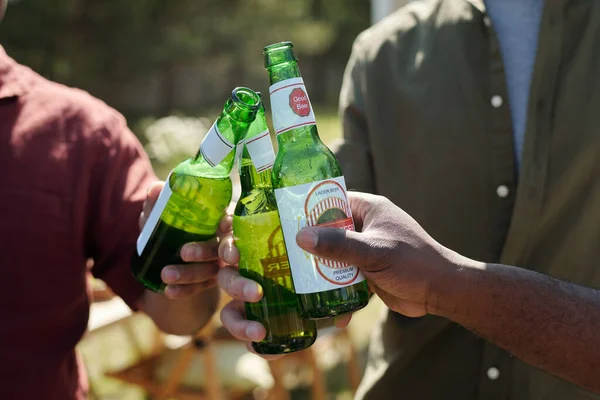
[263, 258]
[310, 191]
[196, 193]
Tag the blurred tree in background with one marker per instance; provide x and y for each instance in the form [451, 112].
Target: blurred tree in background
[157, 57]
[169, 66]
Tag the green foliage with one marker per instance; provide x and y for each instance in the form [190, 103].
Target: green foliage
[162, 57]
[78, 41]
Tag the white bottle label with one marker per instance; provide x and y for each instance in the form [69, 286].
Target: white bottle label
[239, 151]
[321, 203]
[215, 147]
[261, 151]
[154, 217]
[290, 105]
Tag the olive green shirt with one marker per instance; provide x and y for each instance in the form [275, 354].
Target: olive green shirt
[427, 124]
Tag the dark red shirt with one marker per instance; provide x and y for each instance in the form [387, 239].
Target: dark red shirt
[73, 178]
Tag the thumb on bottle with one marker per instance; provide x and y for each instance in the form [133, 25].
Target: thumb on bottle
[151, 197]
[336, 244]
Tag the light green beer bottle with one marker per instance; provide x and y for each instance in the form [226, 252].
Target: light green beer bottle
[310, 191]
[263, 257]
[196, 193]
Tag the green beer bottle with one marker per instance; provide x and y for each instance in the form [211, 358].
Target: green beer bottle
[263, 258]
[196, 193]
[310, 191]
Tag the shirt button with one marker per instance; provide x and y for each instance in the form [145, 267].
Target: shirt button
[497, 101]
[493, 373]
[502, 191]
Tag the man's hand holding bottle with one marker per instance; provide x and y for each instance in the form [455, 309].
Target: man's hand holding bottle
[401, 262]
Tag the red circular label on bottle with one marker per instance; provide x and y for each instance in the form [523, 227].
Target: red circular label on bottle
[299, 102]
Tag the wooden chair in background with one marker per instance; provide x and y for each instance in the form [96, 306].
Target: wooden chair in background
[181, 355]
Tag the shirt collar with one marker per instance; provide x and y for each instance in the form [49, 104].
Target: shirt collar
[12, 79]
[478, 4]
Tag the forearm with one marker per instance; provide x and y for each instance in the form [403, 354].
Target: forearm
[548, 323]
[182, 316]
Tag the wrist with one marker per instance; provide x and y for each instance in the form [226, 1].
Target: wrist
[450, 294]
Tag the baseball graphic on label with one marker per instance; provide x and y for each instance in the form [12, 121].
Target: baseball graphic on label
[327, 206]
[324, 204]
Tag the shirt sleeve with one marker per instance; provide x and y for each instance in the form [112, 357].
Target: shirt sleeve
[121, 176]
[353, 151]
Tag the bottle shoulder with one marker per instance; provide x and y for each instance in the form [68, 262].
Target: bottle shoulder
[300, 164]
[202, 169]
[256, 201]
[184, 183]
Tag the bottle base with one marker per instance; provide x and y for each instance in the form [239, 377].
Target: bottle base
[334, 302]
[152, 286]
[283, 346]
[330, 312]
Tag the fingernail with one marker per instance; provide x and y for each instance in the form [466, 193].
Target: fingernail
[252, 291]
[253, 333]
[171, 275]
[229, 256]
[171, 291]
[307, 238]
[193, 252]
[152, 188]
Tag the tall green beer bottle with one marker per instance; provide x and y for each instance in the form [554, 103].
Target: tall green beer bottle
[310, 191]
[263, 258]
[196, 193]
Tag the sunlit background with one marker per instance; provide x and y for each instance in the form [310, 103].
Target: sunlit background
[169, 66]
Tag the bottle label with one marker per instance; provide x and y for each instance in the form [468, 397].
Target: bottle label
[262, 249]
[154, 217]
[215, 147]
[321, 203]
[261, 151]
[290, 105]
[239, 152]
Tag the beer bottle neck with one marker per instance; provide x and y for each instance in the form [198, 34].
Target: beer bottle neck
[218, 147]
[259, 137]
[281, 62]
[281, 72]
[219, 153]
[299, 137]
[257, 194]
[251, 179]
